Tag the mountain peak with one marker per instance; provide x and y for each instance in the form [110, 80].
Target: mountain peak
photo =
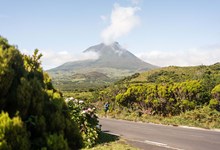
[115, 44]
[110, 56]
[117, 47]
[113, 55]
[114, 62]
[103, 49]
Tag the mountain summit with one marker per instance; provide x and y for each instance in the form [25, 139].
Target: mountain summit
[110, 56]
[115, 56]
[114, 62]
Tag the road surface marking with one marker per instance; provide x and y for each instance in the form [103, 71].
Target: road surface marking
[154, 143]
[161, 145]
[157, 144]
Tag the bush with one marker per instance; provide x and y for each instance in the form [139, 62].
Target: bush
[87, 121]
[56, 142]
[213, 103]
[13, 134]
[27, 94]
[203, 117]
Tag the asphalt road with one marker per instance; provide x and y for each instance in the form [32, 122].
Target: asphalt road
[159, 137]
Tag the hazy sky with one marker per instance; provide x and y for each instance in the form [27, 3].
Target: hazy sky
[161, 32]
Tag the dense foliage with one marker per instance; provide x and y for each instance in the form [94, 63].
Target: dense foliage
[11, 128]
[31, 109]
[166, 91]
[86, 119]
[202, 117]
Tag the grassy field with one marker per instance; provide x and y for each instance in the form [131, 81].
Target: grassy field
[79, 95]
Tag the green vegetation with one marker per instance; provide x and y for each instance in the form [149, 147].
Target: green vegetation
[10, 128]
[87, 79]
[167, 95]
[203, 117]
[83, 95]
[86, 119]
[75, 82]
[34, 114]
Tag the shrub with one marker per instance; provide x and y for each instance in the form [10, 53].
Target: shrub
[13, 134]
[56, 142]
[213, 103]
[203, 117]
[87, 121]
[27, 94]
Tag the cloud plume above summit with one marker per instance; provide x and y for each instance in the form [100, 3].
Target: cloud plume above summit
[122, 21]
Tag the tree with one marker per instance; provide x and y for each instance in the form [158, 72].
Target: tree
[28, 94]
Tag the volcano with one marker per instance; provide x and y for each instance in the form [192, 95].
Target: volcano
[113, 63]
[110, 56]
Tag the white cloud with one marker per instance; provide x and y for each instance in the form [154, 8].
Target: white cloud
[51, 59]
[103, 18]
[123, 20]
[190, 57]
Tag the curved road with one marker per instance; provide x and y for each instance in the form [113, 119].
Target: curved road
[159, 137]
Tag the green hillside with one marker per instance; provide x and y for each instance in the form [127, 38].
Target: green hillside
[168, 91]
[176, 74]
[80, 81]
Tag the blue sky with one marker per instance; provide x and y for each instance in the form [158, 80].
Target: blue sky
[161, 32]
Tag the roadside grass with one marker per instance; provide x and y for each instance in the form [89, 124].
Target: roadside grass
[111, 142]
[202, 117]
[105, 137]
[79, 95]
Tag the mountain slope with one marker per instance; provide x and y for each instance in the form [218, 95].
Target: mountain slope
[168, 91]
[114, 56]
[110, 56]
[114, 62]
[176, 74]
